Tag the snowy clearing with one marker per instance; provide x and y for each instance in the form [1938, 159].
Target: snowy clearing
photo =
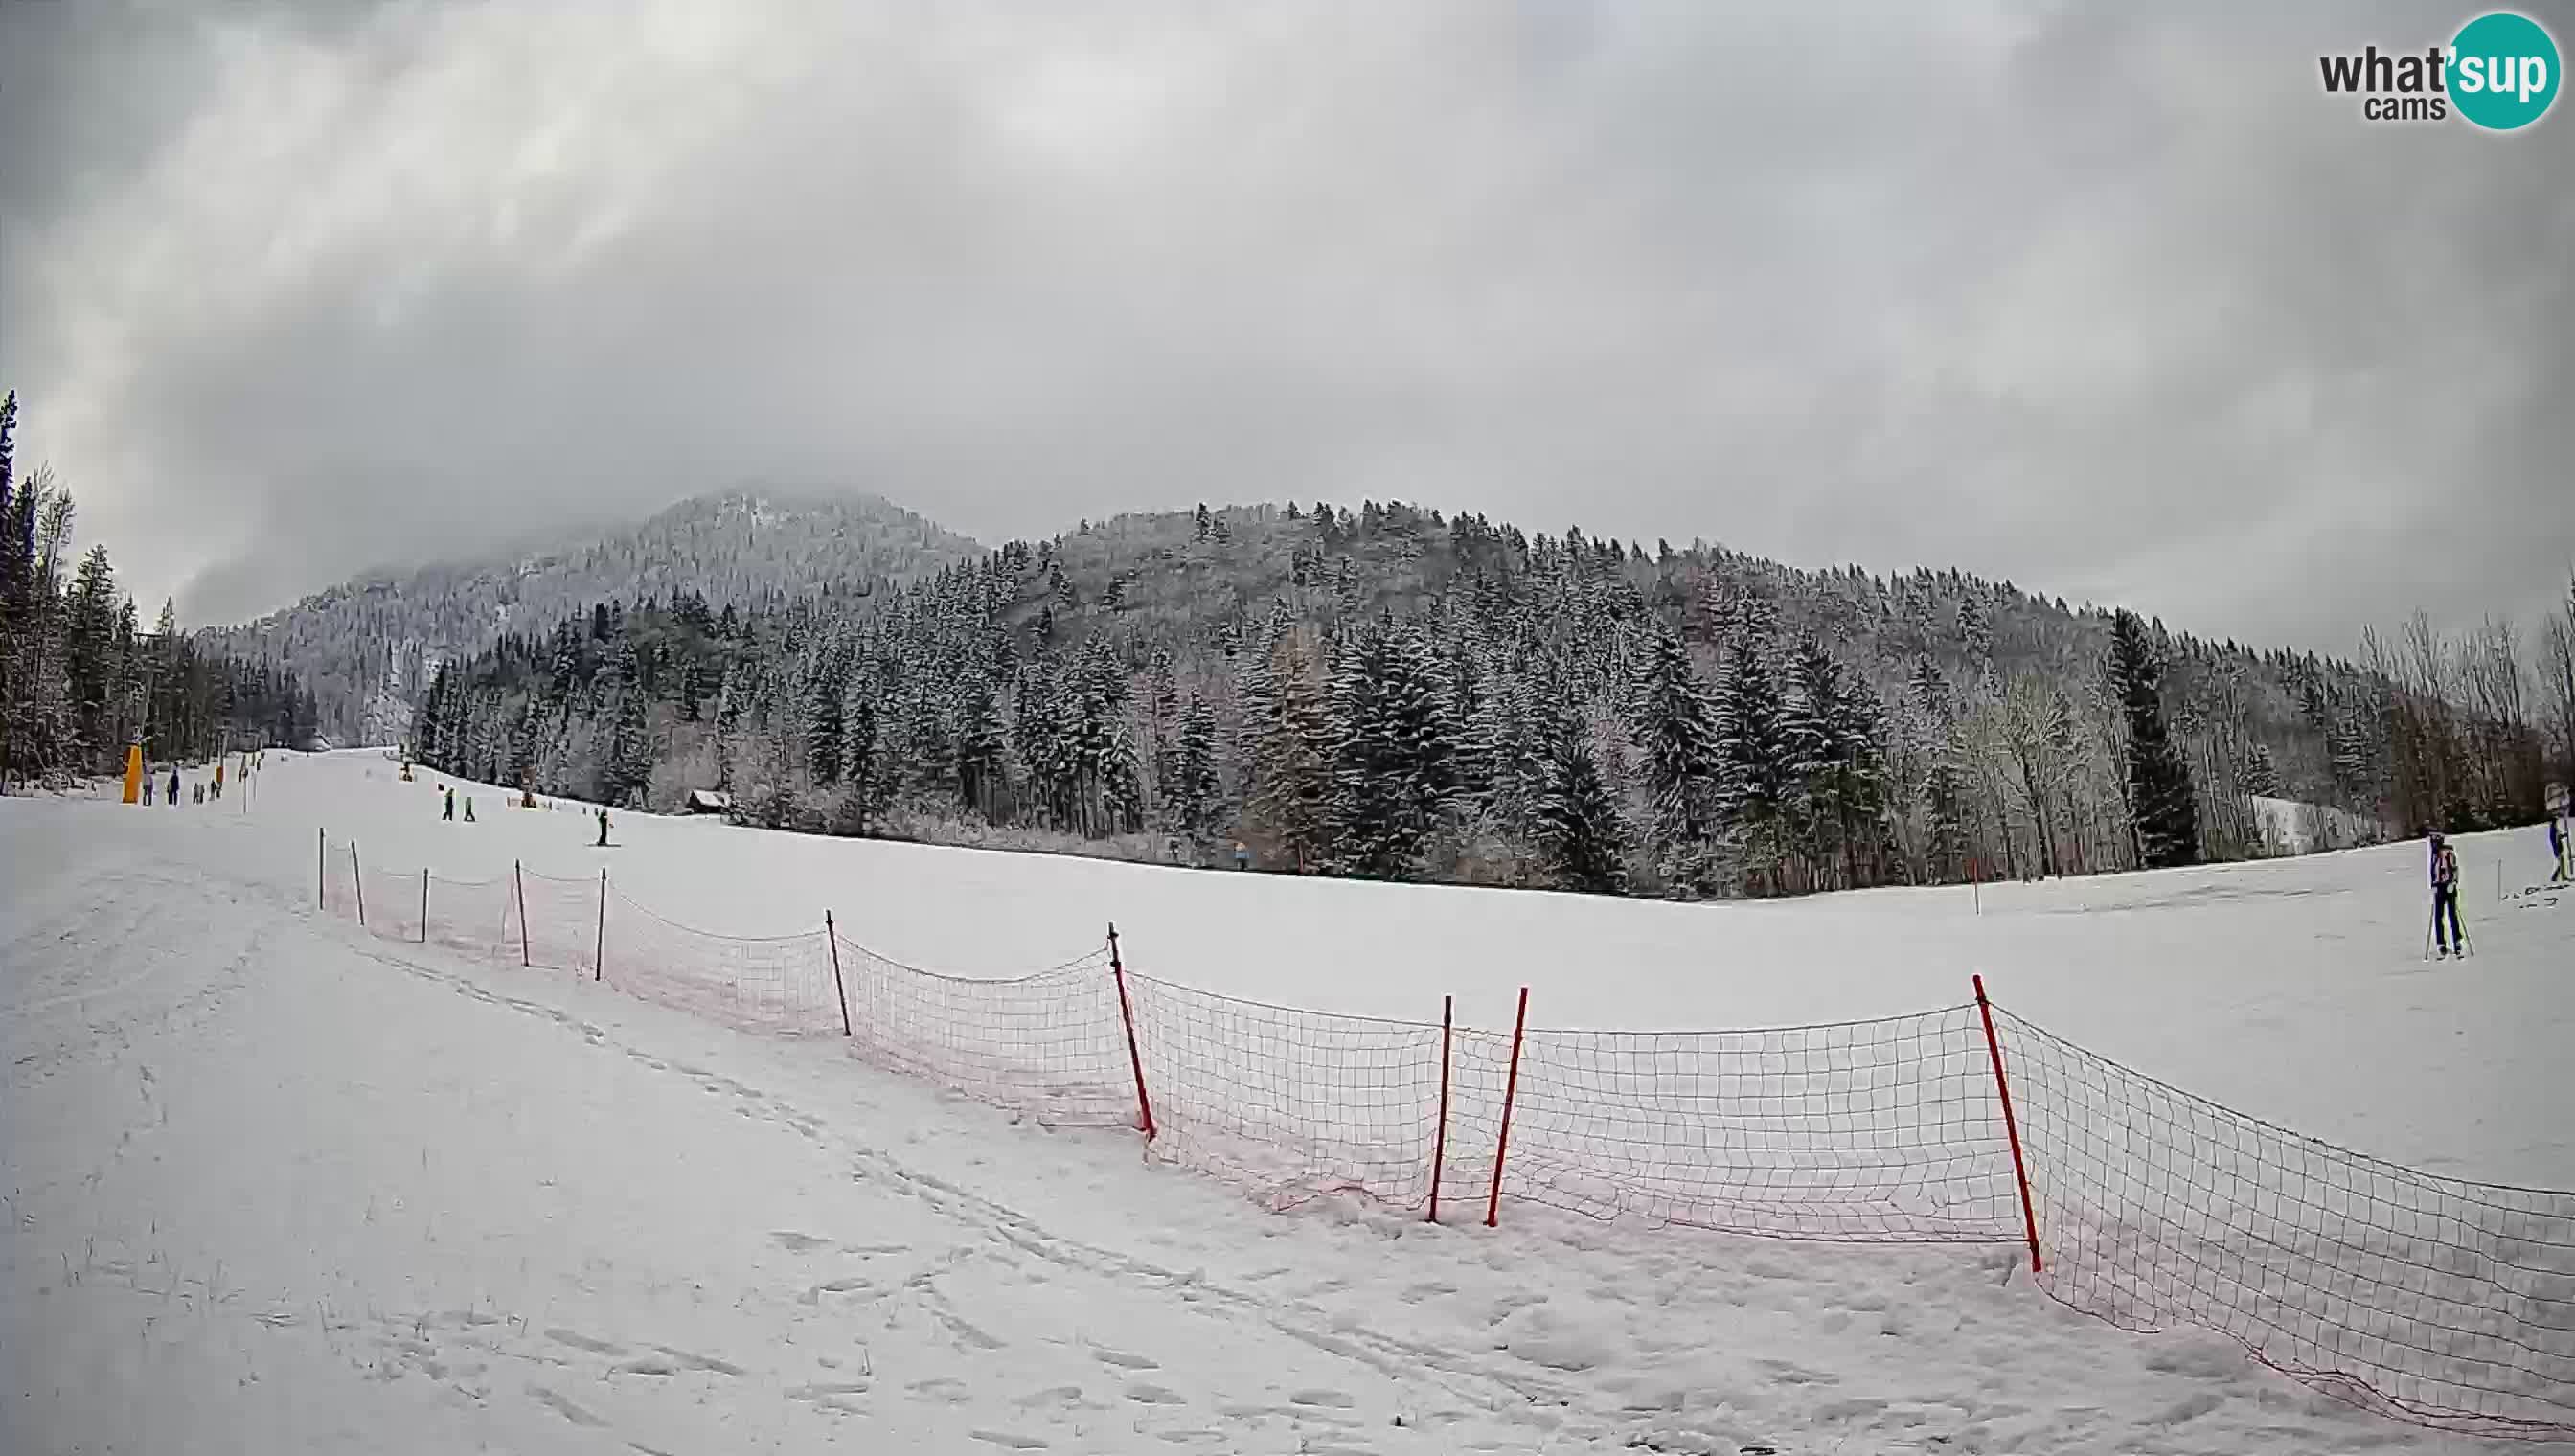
[276, 1184]
[2305, 829]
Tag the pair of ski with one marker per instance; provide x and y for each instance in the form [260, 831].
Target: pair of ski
[2431, 931]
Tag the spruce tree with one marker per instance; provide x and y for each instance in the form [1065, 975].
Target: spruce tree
[1396, 765]
[126, 693]
[89, 653]
[1676, 728]
[1294, 801]
[1945, 813]
[452, 724]
[424, 720]
[1196, 782]
[982, 744]
[17, 542]
[730, 701]
[823, 727]
[1578, 833]
[1754, 786]
[1470, 721]
[627, 771]
[1812, 746]
[867, 783]
[1162, 725]
[2159, 788]
[1861, 791]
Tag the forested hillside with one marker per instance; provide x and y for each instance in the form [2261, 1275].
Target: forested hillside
[367, 648]
[1388, 693]
[81, 681]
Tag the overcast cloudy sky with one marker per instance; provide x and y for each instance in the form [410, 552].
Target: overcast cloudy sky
[2108, 299]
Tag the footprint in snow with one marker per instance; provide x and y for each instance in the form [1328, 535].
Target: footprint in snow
[797, 1243]
[1010, 1439]
[1065, 1396]
[580, 1342]
[1333, 1398]
[966, 1332]
[824, 1390]
[1126, 1361]
[562, 1407]
[1786, 1373]
[707, 1363]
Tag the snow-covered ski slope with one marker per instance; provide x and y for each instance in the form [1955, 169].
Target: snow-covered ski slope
[2294, 989]
[278, 1184]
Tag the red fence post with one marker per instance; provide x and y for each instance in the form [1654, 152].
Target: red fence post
[1135, 1058]
[2011, 1128]
[358, 879]
[832, 937]
[1510, 1093]
[519, 882]
[1440, 1139]
[423, 904]
[599, 951]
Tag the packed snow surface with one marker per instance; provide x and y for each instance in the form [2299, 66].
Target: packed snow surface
[274, 1185]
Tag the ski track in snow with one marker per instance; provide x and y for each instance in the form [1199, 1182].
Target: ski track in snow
[273, 1185]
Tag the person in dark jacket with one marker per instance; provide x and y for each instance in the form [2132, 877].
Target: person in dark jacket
[603, 828]
[2556, 852]
[451, 805]
[174, 787]
[2445, 898]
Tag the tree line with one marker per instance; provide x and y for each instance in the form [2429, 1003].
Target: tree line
[1392, 694]
[81, 681]
[365, 647]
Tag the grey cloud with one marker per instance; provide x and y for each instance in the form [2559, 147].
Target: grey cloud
[2106, 300]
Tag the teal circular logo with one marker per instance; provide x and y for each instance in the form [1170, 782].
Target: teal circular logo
[2503, 71]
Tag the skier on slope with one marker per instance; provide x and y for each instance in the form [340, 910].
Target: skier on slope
[2556, 851]
[174, 788]
[451, 803]
[603, 828]
[2445, 897]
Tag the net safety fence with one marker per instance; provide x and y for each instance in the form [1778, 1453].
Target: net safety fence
[2434, 1300]
[1885, 1130]
[2427, 1299]
[1050, 1045]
